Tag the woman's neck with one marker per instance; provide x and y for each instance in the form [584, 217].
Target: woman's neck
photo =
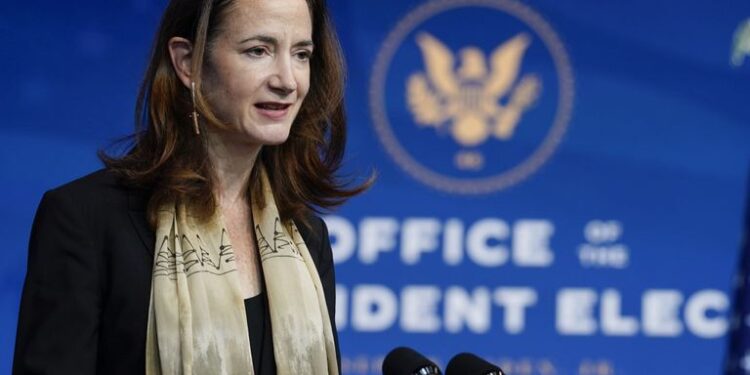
[232, 162]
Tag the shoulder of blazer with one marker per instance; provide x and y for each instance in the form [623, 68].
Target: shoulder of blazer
[102, 194]
[97, 188]
[97, 196]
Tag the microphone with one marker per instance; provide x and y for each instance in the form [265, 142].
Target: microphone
[407, 361]
[470, 364]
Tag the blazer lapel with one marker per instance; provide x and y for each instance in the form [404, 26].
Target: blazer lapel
[137, 201]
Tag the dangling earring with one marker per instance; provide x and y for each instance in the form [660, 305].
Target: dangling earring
[194, 115]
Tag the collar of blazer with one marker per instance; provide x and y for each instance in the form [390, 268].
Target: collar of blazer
[137, 202]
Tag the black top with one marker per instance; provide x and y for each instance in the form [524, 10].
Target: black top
[261, 341]
[85, 302]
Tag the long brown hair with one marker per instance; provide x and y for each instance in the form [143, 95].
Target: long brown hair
[167, 157]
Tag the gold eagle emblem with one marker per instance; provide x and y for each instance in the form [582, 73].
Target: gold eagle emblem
[471, 102]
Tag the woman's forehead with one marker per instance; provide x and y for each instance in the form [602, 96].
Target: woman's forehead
[268, 17]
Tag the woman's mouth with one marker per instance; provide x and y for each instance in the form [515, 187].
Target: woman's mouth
[273, 110]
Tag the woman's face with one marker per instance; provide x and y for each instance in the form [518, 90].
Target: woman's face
[258, 70]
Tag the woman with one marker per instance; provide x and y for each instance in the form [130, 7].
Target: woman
[240, 131]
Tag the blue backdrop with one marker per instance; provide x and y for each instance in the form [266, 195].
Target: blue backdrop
[560, 183]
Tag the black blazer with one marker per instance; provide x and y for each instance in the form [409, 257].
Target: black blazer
[85, 300]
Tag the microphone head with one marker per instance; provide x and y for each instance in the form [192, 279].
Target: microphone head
[470, 364]
[407, 361]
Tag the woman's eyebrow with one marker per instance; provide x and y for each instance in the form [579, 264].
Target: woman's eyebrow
[271, 40]
[260, 38]
[304, 43]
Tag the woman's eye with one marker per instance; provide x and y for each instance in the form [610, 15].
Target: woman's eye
[304, 55]
[256, 51]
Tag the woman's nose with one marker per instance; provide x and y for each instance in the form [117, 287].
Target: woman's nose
[283, 81]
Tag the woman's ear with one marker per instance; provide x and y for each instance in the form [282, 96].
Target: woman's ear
[181, 52]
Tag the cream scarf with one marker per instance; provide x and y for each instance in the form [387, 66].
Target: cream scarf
[197, 323]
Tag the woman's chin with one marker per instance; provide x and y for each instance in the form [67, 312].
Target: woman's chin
[266, 135]
[270, 137]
